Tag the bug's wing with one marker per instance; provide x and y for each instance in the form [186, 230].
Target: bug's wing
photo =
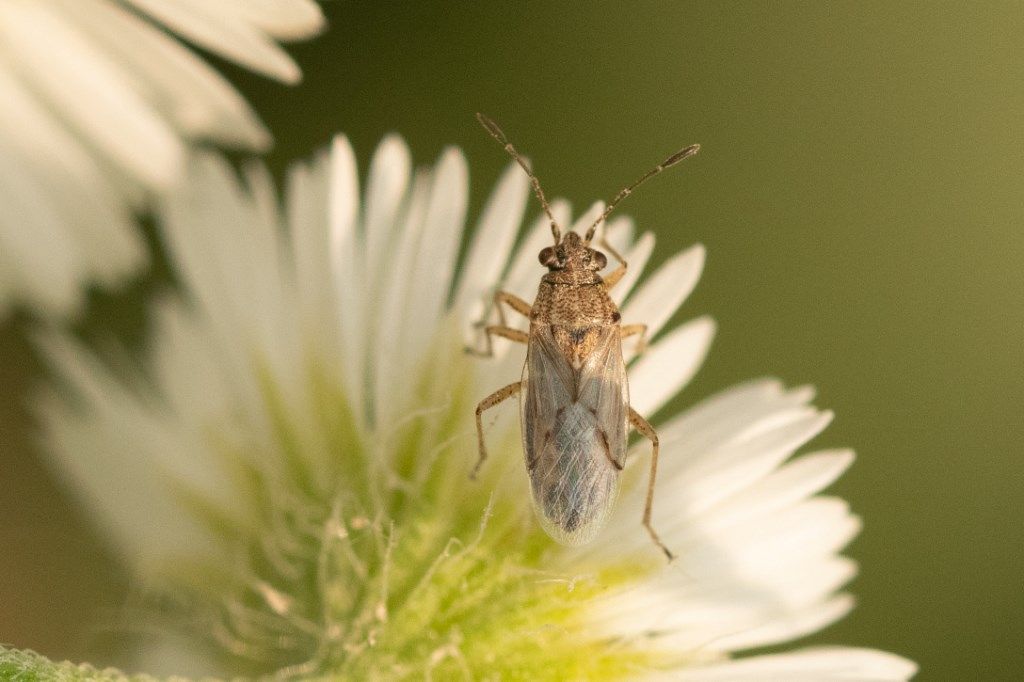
[574, 432]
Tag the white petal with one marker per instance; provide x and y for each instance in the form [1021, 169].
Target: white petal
[434, 267]
[699, 482]
[618, 232]
[390, 342]
[704, 610]
[44, 261]
[348, 267]
[189, 371]
[706, 438]
[386, 188]
[790, 627]
[121, 458]
[26, 124]
[587, 218]
[343, 199]
[282, 19]
[721, 416]
[212, 236]
[308, 222]
[91, 91]
[8, 281]
[636, 258]
[492, 240]
[791, 483]
[824, 664]
[63, 224]
[668, 365]
[172, 78]
[815, 528]
[662, 293]
[214, 27]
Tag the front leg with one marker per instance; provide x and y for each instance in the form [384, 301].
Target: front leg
[618, 273]
[501, 395]
[641, 425]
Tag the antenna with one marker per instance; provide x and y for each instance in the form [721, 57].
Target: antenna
[667, 163]
[492, 128]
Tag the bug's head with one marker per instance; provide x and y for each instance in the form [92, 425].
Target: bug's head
[572, 253]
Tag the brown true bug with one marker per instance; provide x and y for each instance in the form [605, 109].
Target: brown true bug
[574, 404]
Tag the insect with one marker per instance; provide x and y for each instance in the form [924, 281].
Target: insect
[574, 396]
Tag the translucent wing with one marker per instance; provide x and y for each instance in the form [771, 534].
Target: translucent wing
[574, 430]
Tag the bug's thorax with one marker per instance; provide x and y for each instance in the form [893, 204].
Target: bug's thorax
[573, 301]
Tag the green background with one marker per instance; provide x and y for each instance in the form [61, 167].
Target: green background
[859, 192]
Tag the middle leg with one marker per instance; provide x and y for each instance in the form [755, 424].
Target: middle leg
[502, 329]
[493, 330]
[628, 330]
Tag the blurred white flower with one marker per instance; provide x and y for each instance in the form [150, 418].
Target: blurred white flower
[99, 101]
[295, 455]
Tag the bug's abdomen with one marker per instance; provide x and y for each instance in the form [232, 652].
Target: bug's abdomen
[573, 478]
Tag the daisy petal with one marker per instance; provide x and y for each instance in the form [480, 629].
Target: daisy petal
[198, 100]
[390, 170]
[790, 627]
[434, 268]
[99, 106]
[792, 482]
[824, 664]
[212, 26]
[492, 240]
[91, 91]
[42, 259]
[390, 338]
[114, 480]
[659, 297]
[724, 414]
[668, 365]
[281, 19]
[636, 258]
[347, 264]
[719, 473]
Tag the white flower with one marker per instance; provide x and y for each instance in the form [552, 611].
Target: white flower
[98, 104]
[295, 455]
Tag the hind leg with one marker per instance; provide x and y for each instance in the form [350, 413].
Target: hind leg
[642, 425]
[499, 396]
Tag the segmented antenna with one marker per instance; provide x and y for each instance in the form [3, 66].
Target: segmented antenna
[667, 163]
[492, 128]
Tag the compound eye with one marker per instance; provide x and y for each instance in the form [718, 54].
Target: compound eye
[547, 256]
[599, 260]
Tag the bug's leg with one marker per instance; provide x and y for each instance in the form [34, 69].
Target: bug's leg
[490, 401]
[608, 450]
[641, 425]
[497, 330]
[512, 301]
[502, 329]
[618, 273]
[628, 330]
